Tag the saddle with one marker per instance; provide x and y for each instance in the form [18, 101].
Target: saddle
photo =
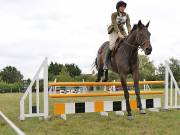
[117, 45]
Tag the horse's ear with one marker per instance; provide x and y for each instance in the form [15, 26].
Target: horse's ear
[134, 27]
[140, 24]
[147, 25]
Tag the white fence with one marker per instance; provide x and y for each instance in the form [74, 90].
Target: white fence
[23, 114]
[172, 92]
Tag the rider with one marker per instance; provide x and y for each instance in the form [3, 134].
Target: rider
[116, 29]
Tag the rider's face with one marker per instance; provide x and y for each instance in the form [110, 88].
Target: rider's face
[122, 8]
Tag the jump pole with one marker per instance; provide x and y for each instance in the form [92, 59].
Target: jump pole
[101, 83]
[103, 94]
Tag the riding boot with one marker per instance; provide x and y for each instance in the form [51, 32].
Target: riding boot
[108, 51]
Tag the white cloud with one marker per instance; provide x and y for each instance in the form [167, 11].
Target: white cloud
[71, 31]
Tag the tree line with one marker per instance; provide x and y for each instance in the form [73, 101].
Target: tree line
[12, 78]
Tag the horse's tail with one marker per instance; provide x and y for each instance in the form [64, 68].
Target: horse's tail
[94, 65]
[100, 51]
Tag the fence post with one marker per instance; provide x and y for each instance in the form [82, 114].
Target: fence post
[166, 86]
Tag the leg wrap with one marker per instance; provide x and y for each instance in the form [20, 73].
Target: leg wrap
[138, 98]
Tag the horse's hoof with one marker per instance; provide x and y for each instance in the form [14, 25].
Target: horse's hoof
[130, 117]
[142, 111]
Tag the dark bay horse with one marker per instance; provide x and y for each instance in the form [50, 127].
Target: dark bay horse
[125, 61]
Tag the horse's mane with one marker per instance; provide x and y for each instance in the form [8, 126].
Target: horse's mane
[135, 26]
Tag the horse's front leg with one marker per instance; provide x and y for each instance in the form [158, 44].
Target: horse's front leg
[99, 75]
[137, 91]
[105, 76]
[126, 95]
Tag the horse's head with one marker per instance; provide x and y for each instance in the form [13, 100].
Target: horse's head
[143, 37]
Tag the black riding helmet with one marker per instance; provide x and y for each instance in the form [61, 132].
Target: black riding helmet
[121, 3]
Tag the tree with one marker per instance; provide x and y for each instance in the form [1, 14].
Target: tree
[10, 74]
[53, 70]
[64, 76]
[174, 65]
[160, 75]
[147, 68]
[113, 76]
[73, 70]
[86, 78]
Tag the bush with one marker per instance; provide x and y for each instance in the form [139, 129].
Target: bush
[8, 87]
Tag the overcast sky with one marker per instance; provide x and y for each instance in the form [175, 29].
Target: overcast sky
[71, 31]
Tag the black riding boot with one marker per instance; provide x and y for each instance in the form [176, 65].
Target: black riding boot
[108, 51]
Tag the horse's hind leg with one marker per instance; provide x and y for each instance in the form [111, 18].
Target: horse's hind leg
[99, 75]
[126, 95]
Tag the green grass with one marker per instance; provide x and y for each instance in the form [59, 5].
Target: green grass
[90, 123]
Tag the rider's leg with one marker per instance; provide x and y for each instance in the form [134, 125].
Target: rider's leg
[106, 56]
[112, 39]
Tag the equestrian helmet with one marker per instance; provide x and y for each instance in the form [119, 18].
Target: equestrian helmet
[121, 4]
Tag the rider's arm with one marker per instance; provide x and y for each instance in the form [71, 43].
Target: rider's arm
[128, 24]
[114, 22]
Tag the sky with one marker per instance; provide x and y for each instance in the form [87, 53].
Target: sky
[68, 31]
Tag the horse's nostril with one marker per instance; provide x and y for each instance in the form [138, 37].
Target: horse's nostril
[147, 49]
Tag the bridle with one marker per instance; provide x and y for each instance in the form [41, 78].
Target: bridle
[139, 43]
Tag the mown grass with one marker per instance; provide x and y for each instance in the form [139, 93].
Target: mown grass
[152, 123]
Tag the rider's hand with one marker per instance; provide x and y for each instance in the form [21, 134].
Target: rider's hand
[120, 35]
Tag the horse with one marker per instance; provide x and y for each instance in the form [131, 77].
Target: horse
[125, 61]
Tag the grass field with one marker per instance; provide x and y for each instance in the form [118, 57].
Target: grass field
[152, 123]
